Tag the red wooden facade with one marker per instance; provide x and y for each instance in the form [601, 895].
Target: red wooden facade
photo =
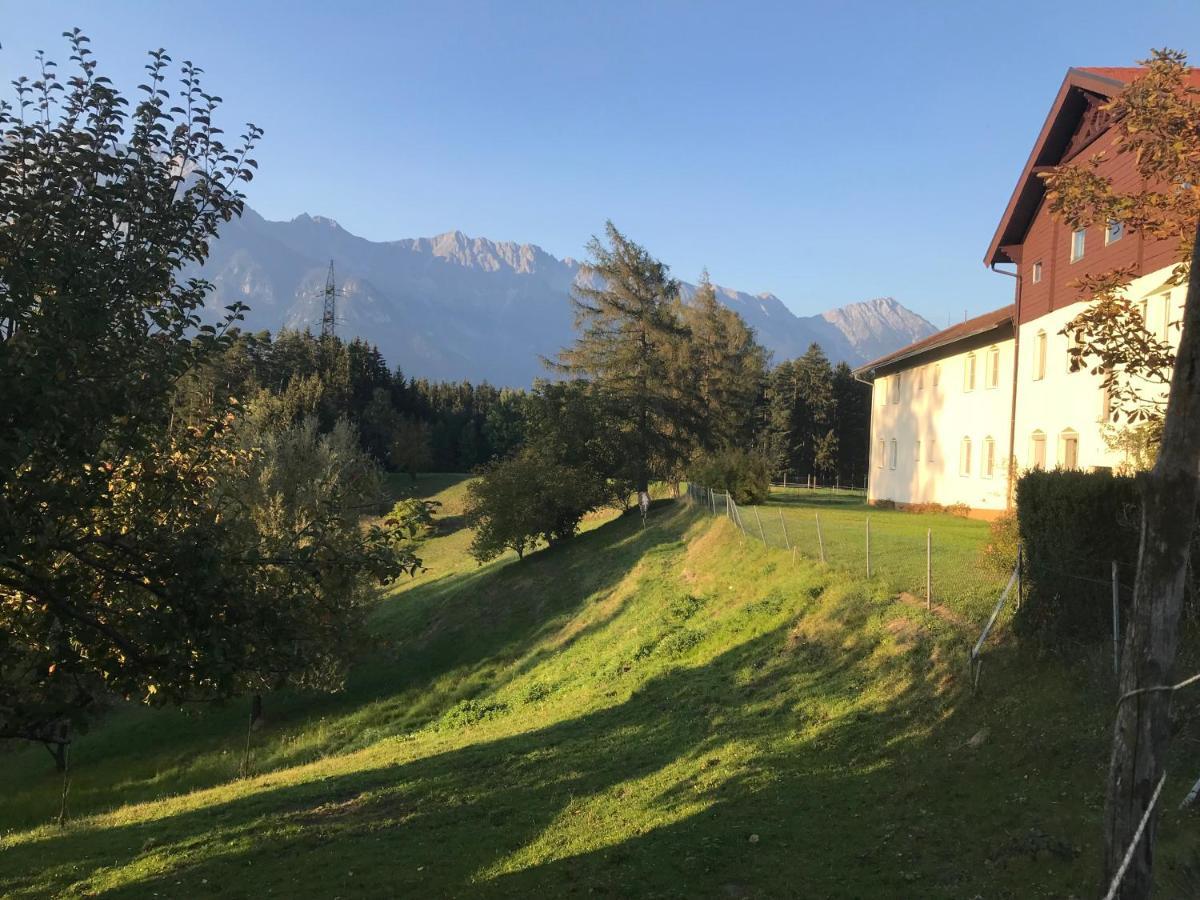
[1076, 128]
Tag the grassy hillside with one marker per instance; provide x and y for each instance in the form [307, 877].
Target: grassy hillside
[663, 712]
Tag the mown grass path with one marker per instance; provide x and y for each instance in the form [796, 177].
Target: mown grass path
[660, 712]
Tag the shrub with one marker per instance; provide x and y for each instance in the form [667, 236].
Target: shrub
[413, 518]
[522, 500]
[1072, 525]
[1000, 552]
[744, 474]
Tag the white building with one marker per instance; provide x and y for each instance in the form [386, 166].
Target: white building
[957, 416]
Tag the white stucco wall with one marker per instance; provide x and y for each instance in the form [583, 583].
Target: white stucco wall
[939, 418]
[1065, 400]
[907, 408]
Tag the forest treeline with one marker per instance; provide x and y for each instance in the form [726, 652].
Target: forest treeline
[803, 416]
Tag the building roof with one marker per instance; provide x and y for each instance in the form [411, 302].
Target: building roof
[1052, 141]
[963, 330]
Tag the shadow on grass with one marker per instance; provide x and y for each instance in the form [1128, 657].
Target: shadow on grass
[763, 772]
[467, 627]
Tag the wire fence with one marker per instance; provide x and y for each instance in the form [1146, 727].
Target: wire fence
[934, 558]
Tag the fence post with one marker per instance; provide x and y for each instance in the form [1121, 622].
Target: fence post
[929, 568]
[786, 543]
[1116, 601]
[757, 518]
[820, 539]
[868, 546]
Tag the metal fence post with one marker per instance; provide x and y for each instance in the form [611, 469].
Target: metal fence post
[820, 539]
[1116, 603]
[929, 568]
[786, 543]
[868, 546]
[757, 518]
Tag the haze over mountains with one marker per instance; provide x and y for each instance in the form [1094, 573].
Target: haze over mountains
[455, 307]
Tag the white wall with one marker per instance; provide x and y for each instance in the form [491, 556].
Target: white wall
[1065, 400]
[939, 417]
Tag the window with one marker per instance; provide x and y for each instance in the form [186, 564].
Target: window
[937, 374]
[991, 375]
[969, 372]
[1039, 356]
[896, 388]
[1068, 449]
[989, 457]
[1037, 450]
[1113, 232]
[1165, 329]
[1144, 312]
[932, 453]
[882, 389]
[917, 452]
[892, 456]
[964, 457]
[879, 458]
[921, 378]
[1105, 404]
[1037, 271]
[1078, 239]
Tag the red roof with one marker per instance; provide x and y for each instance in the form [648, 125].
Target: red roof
[1108, 81]
[970, 328]
[1126, 74]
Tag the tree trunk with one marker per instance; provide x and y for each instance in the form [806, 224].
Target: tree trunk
[1142, 732]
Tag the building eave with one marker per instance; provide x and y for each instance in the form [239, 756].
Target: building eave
[996, 320]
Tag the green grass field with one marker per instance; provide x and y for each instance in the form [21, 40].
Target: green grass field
[663, 712]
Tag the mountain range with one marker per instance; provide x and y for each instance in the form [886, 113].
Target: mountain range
[455, 307]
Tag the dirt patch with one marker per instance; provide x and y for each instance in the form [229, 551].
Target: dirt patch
[358, 808]
[938, 610]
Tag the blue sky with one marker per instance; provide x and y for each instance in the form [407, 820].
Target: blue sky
[827, 152]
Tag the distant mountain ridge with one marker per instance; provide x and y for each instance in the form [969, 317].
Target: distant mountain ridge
[458, 307]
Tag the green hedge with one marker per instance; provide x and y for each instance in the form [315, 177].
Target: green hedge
[1072, 525]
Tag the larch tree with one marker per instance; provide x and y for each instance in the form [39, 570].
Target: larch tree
[1157, 118]
[627, 324]
[723, 368]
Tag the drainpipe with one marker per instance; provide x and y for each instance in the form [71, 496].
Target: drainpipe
[870, 431]
[1012, 415]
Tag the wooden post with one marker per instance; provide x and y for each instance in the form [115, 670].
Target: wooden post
[929, 568]
[868, 546]
[1116, 603]
[786, 543]
[820, 539]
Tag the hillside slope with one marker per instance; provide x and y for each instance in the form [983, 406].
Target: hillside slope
[667, 712]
